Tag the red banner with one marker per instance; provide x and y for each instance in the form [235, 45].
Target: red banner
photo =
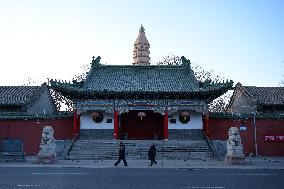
[274, 138]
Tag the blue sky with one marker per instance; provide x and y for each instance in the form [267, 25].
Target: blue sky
[242, 40]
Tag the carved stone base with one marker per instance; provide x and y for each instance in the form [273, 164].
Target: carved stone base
[41, 159]
[235, 160]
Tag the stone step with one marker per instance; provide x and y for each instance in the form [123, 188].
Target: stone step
[108, 149]
[135, 152]
[182, 156]
[142, 141]
[140, 148]
[129, 146]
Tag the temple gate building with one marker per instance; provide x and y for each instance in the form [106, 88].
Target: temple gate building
[140, 101]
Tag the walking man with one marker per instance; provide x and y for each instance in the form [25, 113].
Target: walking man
[152, 154]
[121, 154]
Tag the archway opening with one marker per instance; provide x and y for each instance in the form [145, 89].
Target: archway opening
[141, 125]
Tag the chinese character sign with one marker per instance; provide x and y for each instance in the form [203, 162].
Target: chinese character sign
[274, 138]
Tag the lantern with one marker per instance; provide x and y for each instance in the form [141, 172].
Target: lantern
[141, 115]
[96, 114]
[97, 117]
[184, 114]
[184, 117]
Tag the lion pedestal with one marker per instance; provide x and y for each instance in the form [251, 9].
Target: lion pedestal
[47, 153]
[235, 155]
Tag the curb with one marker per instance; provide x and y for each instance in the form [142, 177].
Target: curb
[143, 164]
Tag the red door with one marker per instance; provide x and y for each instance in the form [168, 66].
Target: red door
[148, 127]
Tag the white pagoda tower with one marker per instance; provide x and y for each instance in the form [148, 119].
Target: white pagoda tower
[141, 49]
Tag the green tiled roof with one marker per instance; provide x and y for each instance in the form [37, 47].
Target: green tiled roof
[141, 79]
[266, 95]
[19, 95]
[128, 81]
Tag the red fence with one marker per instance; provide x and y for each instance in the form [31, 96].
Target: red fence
[265, 127]
[269, 132]
[30, 131]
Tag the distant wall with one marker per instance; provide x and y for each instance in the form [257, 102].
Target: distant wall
[43, 105]
[219, 127]
[30, 131]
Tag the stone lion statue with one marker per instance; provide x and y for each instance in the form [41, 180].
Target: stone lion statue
[234, 145]
[47, 145]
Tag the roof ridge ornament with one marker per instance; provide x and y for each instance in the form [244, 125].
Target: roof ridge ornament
[96, 61]
[185, 62]
[209, 83]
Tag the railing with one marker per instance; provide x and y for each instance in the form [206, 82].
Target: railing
[216, 153]
[72, 146]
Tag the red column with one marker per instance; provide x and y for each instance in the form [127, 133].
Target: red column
[206, 121]
[115, 128]
[166, 132]
[75, 123]
[78, 123]
[208, 125]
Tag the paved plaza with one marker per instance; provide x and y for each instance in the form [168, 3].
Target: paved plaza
[251, 163]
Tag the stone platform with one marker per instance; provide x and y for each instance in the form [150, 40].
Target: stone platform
[46, 159]
[234, 160]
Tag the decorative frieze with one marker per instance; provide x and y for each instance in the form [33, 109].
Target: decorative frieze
[100, 105]
[126, 105]
[160, 106]
[181, 105]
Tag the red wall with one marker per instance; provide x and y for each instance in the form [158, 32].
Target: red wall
[218, 130]
[30, 131]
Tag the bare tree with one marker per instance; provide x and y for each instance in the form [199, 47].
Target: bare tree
[85, 69]
[28, 81]
[170, 59]
[221, 103]
[83, 74]
[61, 102]
[202, 74]
[217, 105]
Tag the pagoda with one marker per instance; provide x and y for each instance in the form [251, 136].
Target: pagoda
[141, 49]
[140, 101]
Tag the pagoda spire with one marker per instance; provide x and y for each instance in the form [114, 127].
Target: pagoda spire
[141, 49]
[142, 29]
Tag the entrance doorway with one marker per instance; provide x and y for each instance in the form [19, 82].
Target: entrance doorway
[141, 125]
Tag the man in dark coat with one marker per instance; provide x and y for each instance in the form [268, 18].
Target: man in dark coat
[121, 154]
[152, 154]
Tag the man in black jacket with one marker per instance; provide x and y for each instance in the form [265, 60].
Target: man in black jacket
[121, 154]
[152, 154]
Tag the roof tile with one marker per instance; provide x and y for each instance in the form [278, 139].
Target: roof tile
[18, 95]
[266, 95]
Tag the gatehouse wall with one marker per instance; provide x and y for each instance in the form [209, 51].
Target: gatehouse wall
[87, 122]
[30, 131]
[269, 135]
[194, 123]
[269, 132]
[96, 134]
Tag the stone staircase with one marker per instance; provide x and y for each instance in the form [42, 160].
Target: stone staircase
[137, 149]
